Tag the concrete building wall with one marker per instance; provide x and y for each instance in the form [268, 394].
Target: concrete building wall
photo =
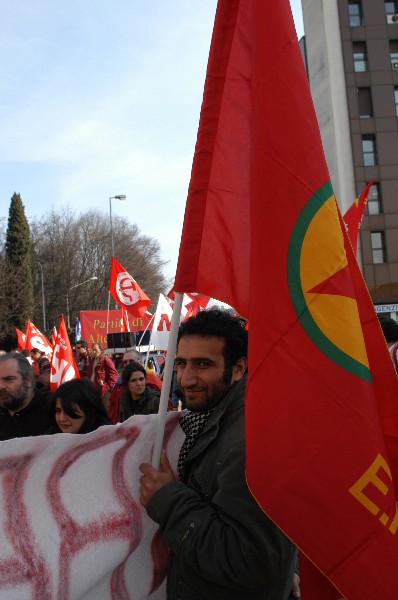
[336, 86]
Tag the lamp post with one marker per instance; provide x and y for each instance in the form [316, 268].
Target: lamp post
[67, 296]
[118, 197]
[43, 300]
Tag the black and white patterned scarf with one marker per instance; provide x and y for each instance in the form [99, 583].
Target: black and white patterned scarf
[191, 424]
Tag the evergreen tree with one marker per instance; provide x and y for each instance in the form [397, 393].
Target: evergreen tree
[19, 257]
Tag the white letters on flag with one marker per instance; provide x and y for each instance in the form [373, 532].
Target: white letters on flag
[63, 366]
[35, 339]
[72, 526]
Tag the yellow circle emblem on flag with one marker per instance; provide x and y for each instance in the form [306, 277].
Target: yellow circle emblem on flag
[320, 285]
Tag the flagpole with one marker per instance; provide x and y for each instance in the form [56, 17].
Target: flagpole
[145, 330]
[167, 375]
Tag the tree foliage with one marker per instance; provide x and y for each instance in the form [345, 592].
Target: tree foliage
[74, 248]
[18, 302]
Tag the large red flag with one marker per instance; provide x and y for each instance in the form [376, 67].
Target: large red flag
[36, 339]
[63, 365]
[262, 232]
[126, 291]
[354, 215]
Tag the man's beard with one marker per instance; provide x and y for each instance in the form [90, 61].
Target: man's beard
[218, 392]
[13, 401]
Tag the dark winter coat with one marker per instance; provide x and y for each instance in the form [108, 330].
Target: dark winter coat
[222, 545]
[34, 419]
[148, 404]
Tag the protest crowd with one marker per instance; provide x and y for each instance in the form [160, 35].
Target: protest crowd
[243, 554]
[264, 451]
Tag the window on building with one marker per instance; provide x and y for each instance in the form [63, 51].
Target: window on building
[374, 200]
[391, 7]
[394, 54]
[365, 103]
[378, 247]
[360, 57]
[396, 100]
[355, 13]
[369, 150]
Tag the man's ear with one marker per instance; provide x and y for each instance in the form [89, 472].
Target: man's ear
[239, 369]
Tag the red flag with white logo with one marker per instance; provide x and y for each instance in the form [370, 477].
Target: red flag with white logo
[36, 339]
[126, 291]
[63, 366]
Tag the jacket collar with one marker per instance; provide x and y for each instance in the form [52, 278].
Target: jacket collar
[233, 400]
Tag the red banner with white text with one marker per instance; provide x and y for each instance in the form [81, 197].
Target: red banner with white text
[95, 324]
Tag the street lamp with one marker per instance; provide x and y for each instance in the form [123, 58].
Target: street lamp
[67, 296]
[43, 299]
[119, 197]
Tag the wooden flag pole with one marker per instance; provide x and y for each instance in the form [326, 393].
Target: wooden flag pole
[167, 375]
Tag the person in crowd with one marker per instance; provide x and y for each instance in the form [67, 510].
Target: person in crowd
[41, 367]
[23, 408]
[152, 381]
[136, 398]
[82, 357]
[77, 407]
[390, 331]
[221, 543]
[102, 371]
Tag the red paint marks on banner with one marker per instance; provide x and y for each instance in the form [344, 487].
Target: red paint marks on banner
[28, 566]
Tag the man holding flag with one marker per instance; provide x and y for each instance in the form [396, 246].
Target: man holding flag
[222, 545]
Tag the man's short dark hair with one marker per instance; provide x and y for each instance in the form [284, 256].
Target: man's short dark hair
[23, 365]
[131, 368]
[82, 343]
[219, 323]
[390, 328]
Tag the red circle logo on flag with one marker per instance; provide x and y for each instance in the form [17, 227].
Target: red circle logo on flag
[320, 285]
[126, 289]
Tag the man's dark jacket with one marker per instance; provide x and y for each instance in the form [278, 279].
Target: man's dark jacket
[34, 419]
[223, 547]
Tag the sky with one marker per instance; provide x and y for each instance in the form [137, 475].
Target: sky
[101, 98]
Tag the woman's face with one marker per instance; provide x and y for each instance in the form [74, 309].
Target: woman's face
[65, 422]
[136, 384]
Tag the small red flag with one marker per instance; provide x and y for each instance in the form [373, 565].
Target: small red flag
[53, 336]
[124, 325]
[126, 291]
[354, 215]
[63, 366]
[35, 339]
[21, 339]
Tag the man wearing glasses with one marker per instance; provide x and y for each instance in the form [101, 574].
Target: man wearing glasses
[82, 358]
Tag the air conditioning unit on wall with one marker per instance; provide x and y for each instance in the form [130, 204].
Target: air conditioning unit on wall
[392, 19]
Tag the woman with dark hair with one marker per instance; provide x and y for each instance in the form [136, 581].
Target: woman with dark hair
[136, 398]
[76, 407]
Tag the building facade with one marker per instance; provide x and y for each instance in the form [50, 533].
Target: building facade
[351, 55]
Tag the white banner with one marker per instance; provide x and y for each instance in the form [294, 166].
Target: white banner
[71, 524]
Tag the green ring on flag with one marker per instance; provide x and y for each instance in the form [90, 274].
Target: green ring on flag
[326, 346]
